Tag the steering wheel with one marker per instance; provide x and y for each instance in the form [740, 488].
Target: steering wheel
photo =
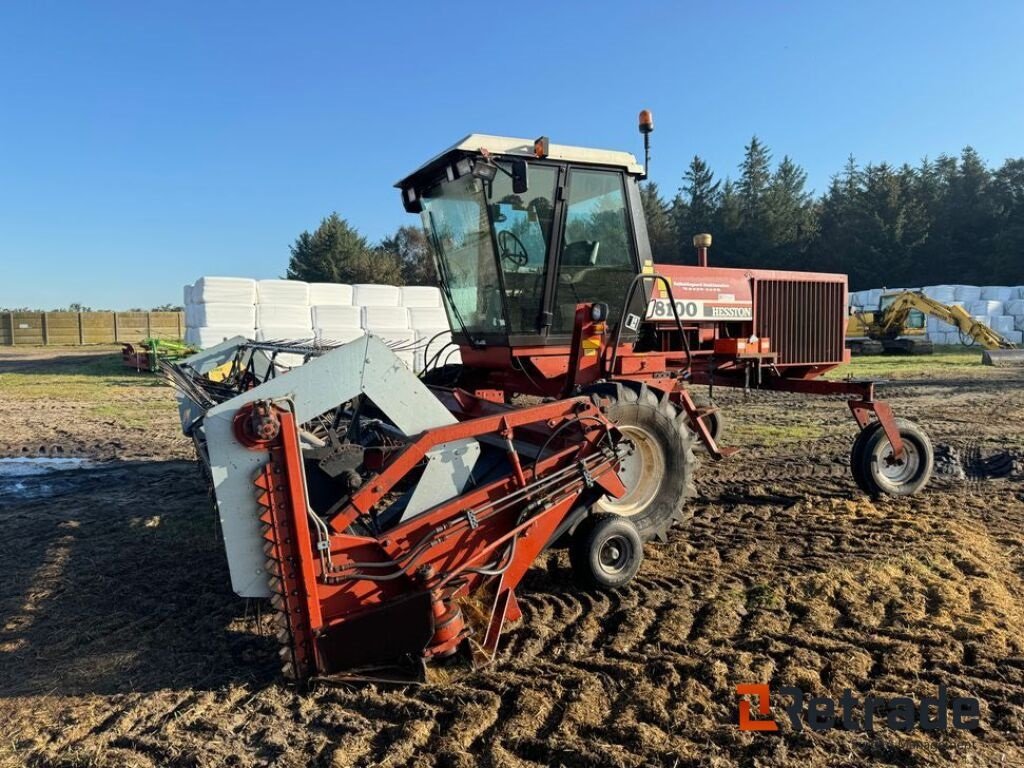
[511, 249]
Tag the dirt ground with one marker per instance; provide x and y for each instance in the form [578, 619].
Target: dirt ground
[121, 643]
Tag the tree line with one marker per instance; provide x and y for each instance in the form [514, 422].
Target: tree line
[336, 253]
[947, 220]
[76, 306]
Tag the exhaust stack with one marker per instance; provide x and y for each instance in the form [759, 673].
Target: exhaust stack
[702, 242]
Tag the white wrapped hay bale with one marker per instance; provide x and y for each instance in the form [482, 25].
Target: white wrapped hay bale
[1014, 307]
[967, 293]
[186, 295]
[1018, 323]
[286, 315]
[871, 298]
[941, 293]
[223, 314]
[341, 334]
[339, 324]
[284, 332]
[934, 324]
[376, 318]
[1020, 291]
[327, 294]
[997, 293]
[985, 307]
[228, 290]
[428, 318]
[420, 296]
[331, 316]
[282, 292]
[985, 320]
[1015, 337]
[1002, 324]
[373, 295]
[211, 336]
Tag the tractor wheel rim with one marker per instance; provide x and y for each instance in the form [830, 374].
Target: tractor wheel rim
[642, 472]
[615, 555]
[902, 470]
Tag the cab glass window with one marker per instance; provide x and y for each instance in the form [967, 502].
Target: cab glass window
[455, 214]
[522, 231]
[597, 259]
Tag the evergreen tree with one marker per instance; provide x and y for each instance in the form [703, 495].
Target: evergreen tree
[694, 207]
[337, 253]
[411, 246]
[789, 213]
[1006, 198]
[661, 229]
[755, 176]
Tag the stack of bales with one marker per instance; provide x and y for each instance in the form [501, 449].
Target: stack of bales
[411, 318]
[999, 307]
[217, 308]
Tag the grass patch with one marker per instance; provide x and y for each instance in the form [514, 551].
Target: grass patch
[112, 392]
[769, 435]
[766, 597]
[946, 360]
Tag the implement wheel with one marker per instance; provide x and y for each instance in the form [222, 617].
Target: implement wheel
[605, 552]
[658, 474]
[875, 470]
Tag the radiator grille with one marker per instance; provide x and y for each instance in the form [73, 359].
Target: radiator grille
[805, 319]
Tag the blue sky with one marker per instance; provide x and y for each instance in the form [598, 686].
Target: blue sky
[145, 144]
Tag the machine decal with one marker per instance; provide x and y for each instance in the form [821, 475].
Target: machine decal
[661, 309]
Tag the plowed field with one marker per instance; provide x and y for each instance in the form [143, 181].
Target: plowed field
[121, 643]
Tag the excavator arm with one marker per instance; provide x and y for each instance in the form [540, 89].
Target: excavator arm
[896, 314]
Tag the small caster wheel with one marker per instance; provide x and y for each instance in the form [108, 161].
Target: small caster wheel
[875, 470]
[716, 424]
[605, 552]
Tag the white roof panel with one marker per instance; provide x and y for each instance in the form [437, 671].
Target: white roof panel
[507, 145]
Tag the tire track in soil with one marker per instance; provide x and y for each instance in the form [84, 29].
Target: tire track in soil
[786, 574]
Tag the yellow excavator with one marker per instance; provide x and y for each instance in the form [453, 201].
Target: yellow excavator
[898, 326]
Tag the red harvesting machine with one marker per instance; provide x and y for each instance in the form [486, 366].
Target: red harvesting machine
[390, 517]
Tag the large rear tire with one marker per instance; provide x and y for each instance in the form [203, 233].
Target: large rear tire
[658, 474]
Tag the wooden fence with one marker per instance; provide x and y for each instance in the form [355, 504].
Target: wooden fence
[35, 328]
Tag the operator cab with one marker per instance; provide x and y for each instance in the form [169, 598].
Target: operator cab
[915, 321]
[525, 230]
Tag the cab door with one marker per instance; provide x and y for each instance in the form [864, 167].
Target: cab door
[597, 256]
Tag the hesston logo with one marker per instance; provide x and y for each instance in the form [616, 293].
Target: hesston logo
[899, 713]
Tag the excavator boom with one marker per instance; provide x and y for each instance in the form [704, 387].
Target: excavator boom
[891, 323]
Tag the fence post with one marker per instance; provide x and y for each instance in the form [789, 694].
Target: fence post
[180, 334]
[81, 332]
[149, 325]
[10, 323]
[116, 329]
[46, 330]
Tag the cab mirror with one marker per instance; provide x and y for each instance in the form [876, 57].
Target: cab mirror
[520, 177]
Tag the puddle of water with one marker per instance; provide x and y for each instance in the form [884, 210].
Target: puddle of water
[25, 466]
[27, 477]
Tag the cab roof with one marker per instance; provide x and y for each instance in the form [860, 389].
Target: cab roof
[509, 146]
